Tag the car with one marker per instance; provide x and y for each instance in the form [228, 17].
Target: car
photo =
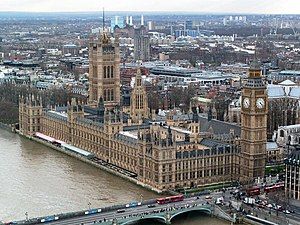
[133, 204]
[208, 197]
[151, 206]
[120, 210]
[286, 211]
[243, 193]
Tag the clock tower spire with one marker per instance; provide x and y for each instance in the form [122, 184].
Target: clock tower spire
[253, 125]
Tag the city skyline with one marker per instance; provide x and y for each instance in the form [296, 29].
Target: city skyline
[209, 6]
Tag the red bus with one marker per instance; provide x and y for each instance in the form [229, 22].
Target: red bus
[253, 191]
[275, 187]
[170, 199]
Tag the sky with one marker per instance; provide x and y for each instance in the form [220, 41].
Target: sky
[204, 6]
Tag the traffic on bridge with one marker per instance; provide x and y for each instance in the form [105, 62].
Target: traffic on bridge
[163, 209]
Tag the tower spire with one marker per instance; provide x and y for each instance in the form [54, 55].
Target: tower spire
[103, 20]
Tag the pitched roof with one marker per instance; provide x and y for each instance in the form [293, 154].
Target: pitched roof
[287, 82]
[218, 127]
[212, 143]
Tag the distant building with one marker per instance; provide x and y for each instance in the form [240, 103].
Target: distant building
[126, 32]
[70, 49]
[141, 44]
[292, 171]
[292, 75]
[287, 135]
[189, 25]
[117, 21]
[284, 110]
[151, 25]
[275, 153]
[233, 114]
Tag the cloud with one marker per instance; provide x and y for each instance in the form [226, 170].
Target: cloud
[216, 6]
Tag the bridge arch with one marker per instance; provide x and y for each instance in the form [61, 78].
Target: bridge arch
[133, 220]
[207, 211]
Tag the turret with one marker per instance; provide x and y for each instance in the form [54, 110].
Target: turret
[30, 114]
[75, 110]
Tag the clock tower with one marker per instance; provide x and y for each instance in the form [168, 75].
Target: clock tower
[253, 125]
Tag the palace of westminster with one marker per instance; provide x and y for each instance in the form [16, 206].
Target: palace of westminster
[177, 151]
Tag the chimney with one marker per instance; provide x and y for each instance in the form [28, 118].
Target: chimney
[142, 20]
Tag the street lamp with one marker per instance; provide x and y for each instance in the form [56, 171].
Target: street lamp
[141, 197]
[26, 215]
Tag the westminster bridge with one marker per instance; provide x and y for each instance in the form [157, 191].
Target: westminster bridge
[135, 212]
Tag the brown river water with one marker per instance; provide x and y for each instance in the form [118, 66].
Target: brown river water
[41, 181]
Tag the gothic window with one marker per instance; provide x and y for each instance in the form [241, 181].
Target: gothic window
[137, 102]
[112, 96]
[108, 71]
[139, 82]
[95, 94]
[95, 71]
[105, 95]
[111, 72]
[142, 102]
[104, 71]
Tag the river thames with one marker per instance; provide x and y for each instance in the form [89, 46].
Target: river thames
[41, 181]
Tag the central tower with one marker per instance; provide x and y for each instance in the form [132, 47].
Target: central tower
[253, 125]
[138, 100]
[104, 72]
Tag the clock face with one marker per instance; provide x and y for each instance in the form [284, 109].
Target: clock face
[246, 103]
[260, 103]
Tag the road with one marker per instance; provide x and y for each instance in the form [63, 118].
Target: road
[134, 212]
[269, 214]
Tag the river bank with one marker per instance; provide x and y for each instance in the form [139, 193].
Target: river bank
[86, 160]
[40, 181]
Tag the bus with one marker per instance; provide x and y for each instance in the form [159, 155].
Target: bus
[275, 187]
[253, 191]
[166, 200]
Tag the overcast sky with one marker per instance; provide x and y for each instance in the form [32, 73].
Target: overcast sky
[213, 6]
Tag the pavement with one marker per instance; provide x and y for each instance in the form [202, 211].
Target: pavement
[269, 214]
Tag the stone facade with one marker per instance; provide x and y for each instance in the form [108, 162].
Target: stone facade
[30, 114]
[104, 71]
[292, 170]
[139, 102]
[177, 151]
[162, 156]
[254, 125]
[287, 135]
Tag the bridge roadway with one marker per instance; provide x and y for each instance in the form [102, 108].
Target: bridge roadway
[137, 213]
